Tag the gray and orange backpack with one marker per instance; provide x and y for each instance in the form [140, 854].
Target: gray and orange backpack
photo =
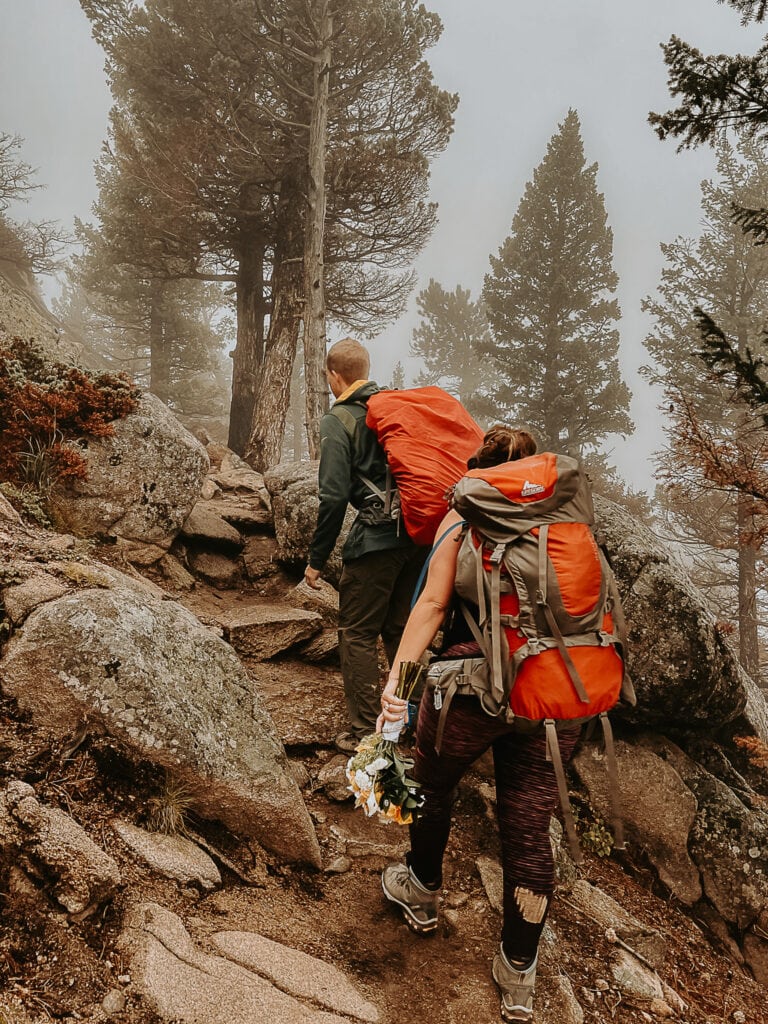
[540, 599]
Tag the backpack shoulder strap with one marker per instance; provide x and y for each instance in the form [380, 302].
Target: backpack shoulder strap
[425, 567]
[346, 417]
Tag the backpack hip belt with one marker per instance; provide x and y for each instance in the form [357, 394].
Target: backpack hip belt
[467, 677]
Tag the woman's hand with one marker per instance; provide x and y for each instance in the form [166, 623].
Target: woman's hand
[393, 709]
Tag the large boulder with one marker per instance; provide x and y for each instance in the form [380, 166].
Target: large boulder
[148, 672]
[23, 314]
[699, 834]
[142, 481]
[293, 489]
[658, 810]
[728, 842]
[684, 672]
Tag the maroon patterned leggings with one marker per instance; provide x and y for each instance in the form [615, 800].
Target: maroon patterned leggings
[526, 796]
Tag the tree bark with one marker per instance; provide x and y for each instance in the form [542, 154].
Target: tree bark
[314, 284]
[159, 344]
[249, 348]
[749, 643]
[297, 407]
[273, 384]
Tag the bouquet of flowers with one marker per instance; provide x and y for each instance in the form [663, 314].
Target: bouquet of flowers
[378, 772]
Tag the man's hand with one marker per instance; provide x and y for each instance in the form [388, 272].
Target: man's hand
[311, 577]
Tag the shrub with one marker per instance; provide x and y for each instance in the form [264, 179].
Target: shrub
[47, 410]
[757, 750]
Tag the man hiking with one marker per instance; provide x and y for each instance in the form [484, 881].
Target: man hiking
[381, 564]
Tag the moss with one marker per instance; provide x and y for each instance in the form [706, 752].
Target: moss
[83, 575]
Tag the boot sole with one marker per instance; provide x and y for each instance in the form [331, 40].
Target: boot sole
[416, 926]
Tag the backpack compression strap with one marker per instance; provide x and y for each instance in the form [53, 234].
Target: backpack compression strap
[613, 782]
[541, 601]
[553, 755]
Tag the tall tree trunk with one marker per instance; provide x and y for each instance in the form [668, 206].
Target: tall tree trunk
[273, 385]
[297, 407]
[314, 284]
[159, 344]
[749, 645]
[249, 348]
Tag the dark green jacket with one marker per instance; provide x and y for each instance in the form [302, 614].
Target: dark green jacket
[349, 448]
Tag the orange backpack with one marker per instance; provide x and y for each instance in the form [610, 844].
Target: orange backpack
[428, 436]
[541, 601]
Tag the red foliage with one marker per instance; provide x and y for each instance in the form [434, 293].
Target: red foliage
[47, 408]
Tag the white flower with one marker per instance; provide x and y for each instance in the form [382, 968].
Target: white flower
[377, 765]
[362, 780]
[371, 805]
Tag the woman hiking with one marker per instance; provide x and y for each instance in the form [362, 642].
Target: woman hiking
[526, 785]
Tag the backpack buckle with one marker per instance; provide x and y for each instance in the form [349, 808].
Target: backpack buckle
[498, 554]
[605, 639]
[535, 645]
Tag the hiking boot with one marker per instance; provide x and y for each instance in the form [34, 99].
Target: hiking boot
[346, 742]
[418, 905]
[516, 988]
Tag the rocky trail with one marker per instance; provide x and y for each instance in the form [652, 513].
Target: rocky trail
[162, 670]
[236, 937]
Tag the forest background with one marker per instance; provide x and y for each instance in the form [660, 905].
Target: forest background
[520, 76]
[517, 68]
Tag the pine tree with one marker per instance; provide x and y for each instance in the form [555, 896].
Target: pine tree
[448, 341]
[398, 377]
[551, 307]
[725, 273]
[716, 91]
[220, 112]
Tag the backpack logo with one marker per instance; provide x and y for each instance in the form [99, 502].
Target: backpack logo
[529, 489]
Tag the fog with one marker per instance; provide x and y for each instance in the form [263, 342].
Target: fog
[518, 67]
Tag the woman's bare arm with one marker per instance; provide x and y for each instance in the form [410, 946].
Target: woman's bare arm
[428, 613]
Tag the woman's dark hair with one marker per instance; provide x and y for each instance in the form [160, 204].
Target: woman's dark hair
[502, 444]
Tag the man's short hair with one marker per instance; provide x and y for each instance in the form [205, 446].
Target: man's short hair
[349, 359]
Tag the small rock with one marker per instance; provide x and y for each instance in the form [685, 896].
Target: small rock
[451, 918]
[339, 866]
[175, 573]
[20, 600]
[332, 779]
[300, 773]
[661, 1009]
[210, 489]
[634, 978]
[264, 632]
[739, 1017]
[138, 553]
[320, 647]
[324, 600]
[601, 985]
[113, 1002]
[671, 997]
[204, 526]
[493, 881]
[562, 1003]
[456, 900]
[218, 570]
[260, 558]
[171, 855]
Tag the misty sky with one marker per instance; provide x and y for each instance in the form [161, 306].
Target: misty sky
[518, 66]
